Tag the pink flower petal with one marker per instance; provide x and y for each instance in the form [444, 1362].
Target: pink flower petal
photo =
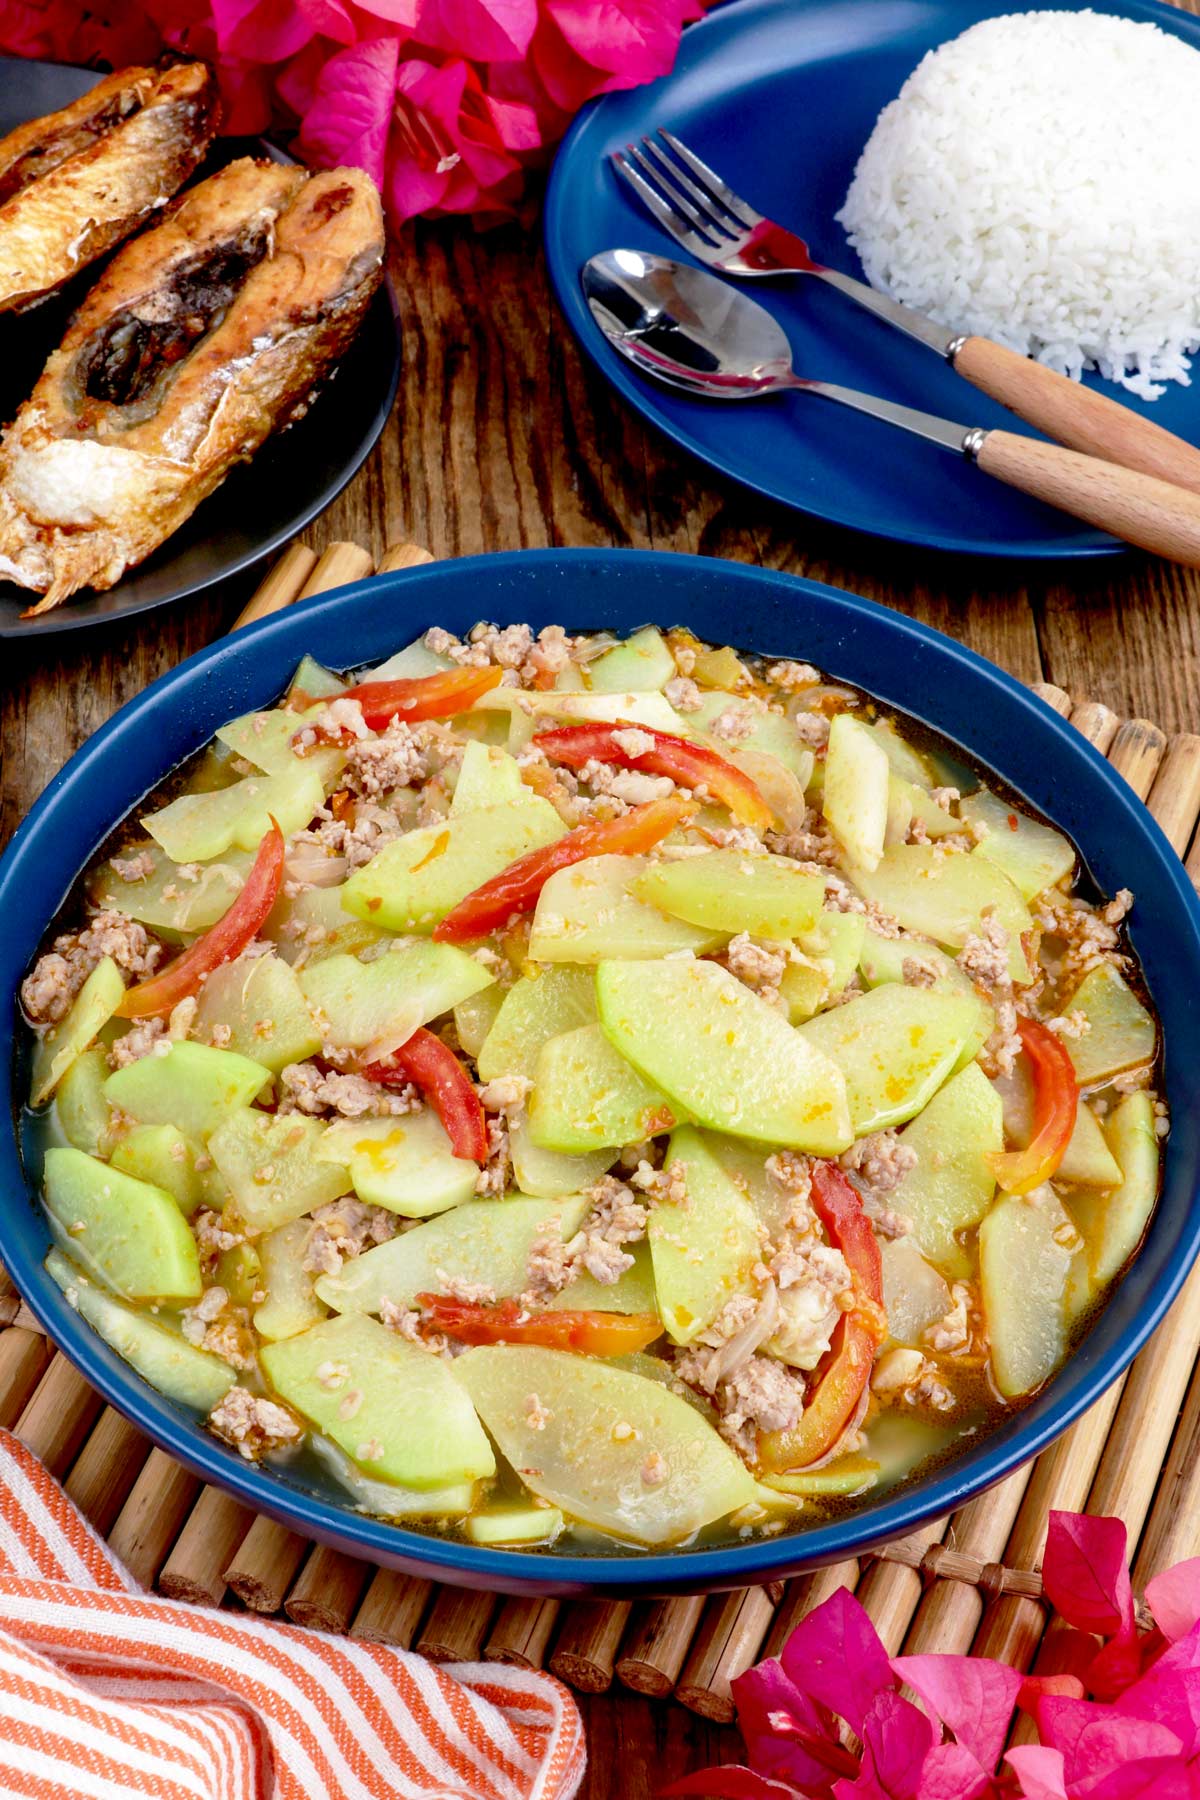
[401, 14]
[1085, 1574]
[1169, 1697]
[1039, 1771]
[1035, 1688]
[1097, 1739]
[269, 31]
[835, 1656]
[950, 1772]
[897, 1737]
[974, 1696]
[351, 112]
[490, 30]
[787, 1734]
[634, 38]
[1147, 1778]
[1115, 1667]
[1174, 1598]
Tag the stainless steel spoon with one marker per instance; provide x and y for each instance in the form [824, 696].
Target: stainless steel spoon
[696, 333]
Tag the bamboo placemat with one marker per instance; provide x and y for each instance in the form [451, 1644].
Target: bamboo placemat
[970, 1581]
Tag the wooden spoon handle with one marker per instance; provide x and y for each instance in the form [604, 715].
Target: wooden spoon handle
[1142, 510]
[1076, 416]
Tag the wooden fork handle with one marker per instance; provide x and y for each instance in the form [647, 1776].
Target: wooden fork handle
[1075, 416]
[1139, 508]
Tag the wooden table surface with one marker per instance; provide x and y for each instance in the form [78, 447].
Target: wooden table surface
[503, 437]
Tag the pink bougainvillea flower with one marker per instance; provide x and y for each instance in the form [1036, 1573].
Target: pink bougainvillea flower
[788, 1734]
[350, 115]
[1039, 1771]
[112, 33]
[269, 31]
[897, 1737]
[489, 30]
[835, 1656]
[974, 1696]
[1174, 1599]
[1085, 1574]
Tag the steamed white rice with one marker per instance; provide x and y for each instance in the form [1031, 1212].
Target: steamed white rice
[1038, 181]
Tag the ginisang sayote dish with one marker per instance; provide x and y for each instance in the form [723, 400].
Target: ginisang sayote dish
[569, 1086]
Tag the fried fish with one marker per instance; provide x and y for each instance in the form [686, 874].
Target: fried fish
[202, 337]
[76, 182]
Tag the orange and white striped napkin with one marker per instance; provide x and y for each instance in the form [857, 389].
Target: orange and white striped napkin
[107, 1691]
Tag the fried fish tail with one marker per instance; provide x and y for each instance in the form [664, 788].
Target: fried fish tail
[203, 337]
[76, 182]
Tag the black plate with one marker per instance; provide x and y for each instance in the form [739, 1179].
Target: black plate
[261, 505]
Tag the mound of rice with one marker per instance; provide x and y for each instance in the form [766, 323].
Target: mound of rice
[1038, 181]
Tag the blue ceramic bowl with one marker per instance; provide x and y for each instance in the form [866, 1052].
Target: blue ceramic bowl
[995, 721]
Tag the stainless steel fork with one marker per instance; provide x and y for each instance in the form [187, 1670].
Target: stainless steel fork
[713, 223]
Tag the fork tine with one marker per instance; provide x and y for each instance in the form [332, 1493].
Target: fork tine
[677, 181]
[719, 190]
[704, 222]
[654, 203]
[652, 198]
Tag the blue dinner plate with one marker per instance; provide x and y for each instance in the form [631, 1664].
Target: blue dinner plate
[996, 722]
[780, 96]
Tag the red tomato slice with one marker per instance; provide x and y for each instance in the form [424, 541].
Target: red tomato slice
[435, 1069]
[219, 944]
[419, 697]
[691, 765]
[515, 890]
[1055, 1105]
[856, 1337]
[506, 1322]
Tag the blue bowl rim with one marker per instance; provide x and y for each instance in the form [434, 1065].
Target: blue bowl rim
[447, 1559]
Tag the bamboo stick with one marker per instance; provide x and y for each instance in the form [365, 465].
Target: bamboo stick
[891, 1591]
[521, 1633]
[58, 1416]
[392, 1609]
[802, 1597]
[195, 1569]
[1012, 1626]
[1150, 1401]
[949, 1612]
[1172, 1532]
[106, 1468]
[264, 1563]
[24, 1359]
[335, 567]
[457, 1627]
[281, 586]
[1097, 722]
[586, 1652]
[327, 1590]
[731, 1635]
[1136, 751]
[656, 1644]
[1053, 696]
[1175, 797]
[403, 556]
[153, 1516]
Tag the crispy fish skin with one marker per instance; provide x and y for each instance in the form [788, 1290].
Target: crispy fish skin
[76, 182]
[204, 335]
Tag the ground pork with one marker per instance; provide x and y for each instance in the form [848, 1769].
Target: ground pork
[492, 1180]
[548, 1269]
[135, 867]
[146, 1037]
[306, 1089]
[918, 974]
[734, 725]
[682, 693]
[471, 1293]
[906, 1376]
[758, 963]
[630, 786]
[360, 833]
[56, 978]
[616, 1218]
[763, 1395]
[792, 676]
[815, 1288]
[380, 764]
[1074, 1024]
[984, 957]
[213, 1236]
[534, 661]
[1089, 935]
[537, 1416]
[960, 1333]
[881, 1161]
[344, 1229]
[253, 1424]
[506, 1094]
[667, 1185]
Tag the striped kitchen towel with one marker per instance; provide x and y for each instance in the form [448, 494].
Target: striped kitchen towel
[106, 1691]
